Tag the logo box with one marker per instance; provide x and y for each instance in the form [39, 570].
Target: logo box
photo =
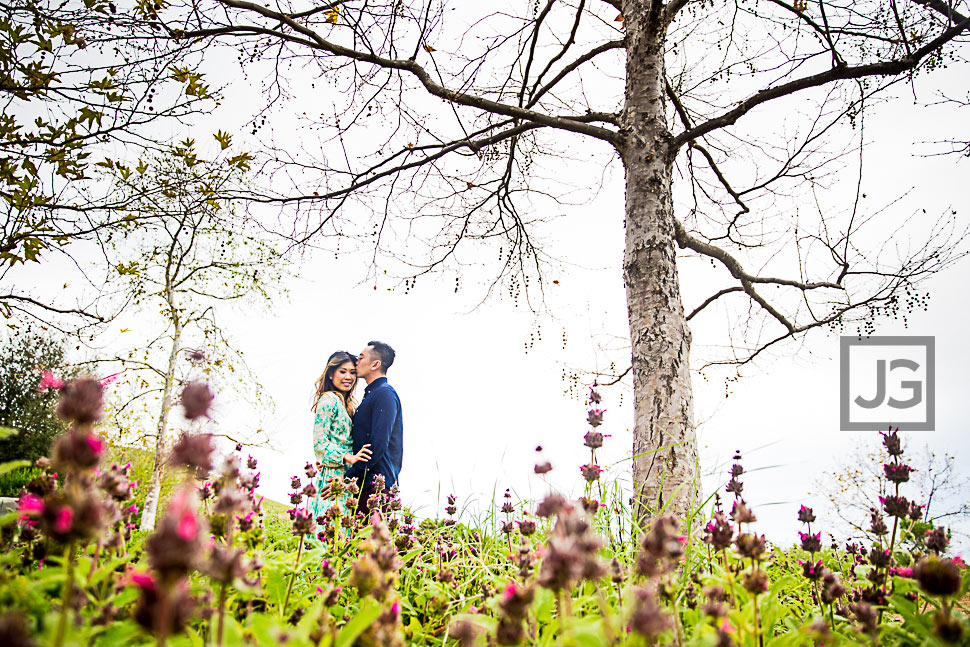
[887, 381]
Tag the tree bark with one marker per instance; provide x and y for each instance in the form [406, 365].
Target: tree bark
[664, 445]
[150, 510]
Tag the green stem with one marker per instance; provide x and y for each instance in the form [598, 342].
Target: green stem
[757, 623]
[67, 597]
[607, 615]
[296, 567]
[222, 614]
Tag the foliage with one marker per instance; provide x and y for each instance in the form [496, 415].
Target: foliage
[70, 95]
[220, 570]
[13, 482]
[23, 359]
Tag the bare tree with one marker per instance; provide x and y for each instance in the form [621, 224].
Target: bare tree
[857, 481]
[436, 118]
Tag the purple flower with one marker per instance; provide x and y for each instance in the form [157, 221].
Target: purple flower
[895, 506]
[591, 472]
[938, 576]
[891, 442]
[595, 417]
[811, 570]
[719, 532]
[593, 439]
[81, 401]
[543, 468]
[741, 513]
[648, 619]
[551, 505]
[806, 515]
[811, 543]
[734, 486]
[196, 400]
[78, 449]
[897, 472]
[936, 540]
[750, 545]
[755, 582]
[527, 527]
[194, 451]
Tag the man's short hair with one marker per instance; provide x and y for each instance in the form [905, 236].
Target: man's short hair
[384, 353]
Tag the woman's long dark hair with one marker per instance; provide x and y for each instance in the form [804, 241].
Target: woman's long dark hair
[325, 381]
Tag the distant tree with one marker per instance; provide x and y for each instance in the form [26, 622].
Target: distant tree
[24, 357]
[185, 256]
[69, 94]
[852, 487]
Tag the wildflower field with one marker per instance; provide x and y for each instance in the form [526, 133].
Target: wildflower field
[219, 569]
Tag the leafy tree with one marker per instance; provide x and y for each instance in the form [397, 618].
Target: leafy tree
[185, 256]
[69, 94]
[23, 359]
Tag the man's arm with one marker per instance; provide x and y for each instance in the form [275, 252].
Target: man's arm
[385, 410]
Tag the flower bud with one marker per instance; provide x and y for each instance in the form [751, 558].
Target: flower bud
[196, 400]
[194, 451]
[543, 468]
[938, 576]
[591, 472]
[81, 401]
[806, 515]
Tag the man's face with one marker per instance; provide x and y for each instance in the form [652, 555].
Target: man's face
[367, 363]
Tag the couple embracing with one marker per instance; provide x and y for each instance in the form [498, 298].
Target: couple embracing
[354, 440]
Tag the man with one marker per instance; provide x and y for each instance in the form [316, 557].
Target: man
[377, 422]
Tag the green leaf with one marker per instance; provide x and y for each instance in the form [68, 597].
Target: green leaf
[224, 139]
[13, 465]
[369, 610]
[7, 432]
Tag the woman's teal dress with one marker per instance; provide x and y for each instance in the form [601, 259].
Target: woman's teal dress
[331, 440]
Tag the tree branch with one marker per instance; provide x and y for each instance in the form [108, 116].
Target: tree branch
[883, 68]
[406, 65]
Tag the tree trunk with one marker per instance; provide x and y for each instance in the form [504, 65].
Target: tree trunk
[665, 474]
[150, 510]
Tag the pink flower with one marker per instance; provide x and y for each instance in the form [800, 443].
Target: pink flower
[62, 523]
[959, 562]
[143, 581]
[509, 592]
[319, 590]
[396, 607]
[108, 380]
[726, 627]
[133, 509]
[48, 381]
[188, 525]
[31, 504]
[95, 443]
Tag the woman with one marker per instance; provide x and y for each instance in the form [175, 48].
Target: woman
[334, 408]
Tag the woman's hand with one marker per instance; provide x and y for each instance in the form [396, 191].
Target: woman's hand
[362, 455]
